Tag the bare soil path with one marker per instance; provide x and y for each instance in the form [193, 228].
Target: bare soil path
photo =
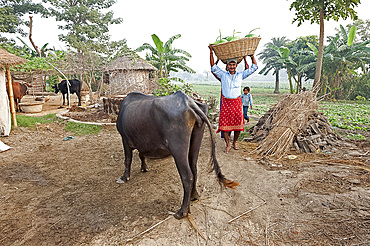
[55, 192]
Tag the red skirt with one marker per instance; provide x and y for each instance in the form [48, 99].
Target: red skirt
[231, 115]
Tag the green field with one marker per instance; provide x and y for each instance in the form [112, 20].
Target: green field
[353, 115]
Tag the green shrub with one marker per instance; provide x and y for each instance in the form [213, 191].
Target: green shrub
[361, 87]
[166, 87]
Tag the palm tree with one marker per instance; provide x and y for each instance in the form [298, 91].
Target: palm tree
[165, 58]
[271, 59]
[302, 56]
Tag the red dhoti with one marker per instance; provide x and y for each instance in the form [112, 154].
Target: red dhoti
[231, 115]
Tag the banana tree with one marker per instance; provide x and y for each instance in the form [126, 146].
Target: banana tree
[341, 60]
[164, 57]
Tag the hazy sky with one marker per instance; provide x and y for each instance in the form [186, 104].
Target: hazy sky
[199, 22]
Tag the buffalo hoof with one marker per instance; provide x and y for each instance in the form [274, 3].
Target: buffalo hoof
[144, 170]
[180, 215]
[194, 199]
[122, 180]
[194, 196]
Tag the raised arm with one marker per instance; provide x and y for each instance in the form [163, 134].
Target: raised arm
[253, 60]
[251, 69]
[211, 59]
[245, 62]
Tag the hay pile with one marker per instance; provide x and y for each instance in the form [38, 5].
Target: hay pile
[293, 122]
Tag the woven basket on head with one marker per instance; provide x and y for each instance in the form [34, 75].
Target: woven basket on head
[236, 49]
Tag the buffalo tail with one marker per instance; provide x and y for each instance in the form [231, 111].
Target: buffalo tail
[216, 167]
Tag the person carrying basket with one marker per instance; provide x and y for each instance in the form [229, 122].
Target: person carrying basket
[231, 113]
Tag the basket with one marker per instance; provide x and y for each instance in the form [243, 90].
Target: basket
[236, 49]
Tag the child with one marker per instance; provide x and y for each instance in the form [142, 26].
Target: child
[247, 100]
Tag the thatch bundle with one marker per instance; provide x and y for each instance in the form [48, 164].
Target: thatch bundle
[293, 122]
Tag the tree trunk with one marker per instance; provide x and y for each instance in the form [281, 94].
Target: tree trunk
[316, 82]
[290, 81]
[277, 82]
[11, 97]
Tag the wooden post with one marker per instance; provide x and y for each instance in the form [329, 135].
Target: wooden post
[11, 97]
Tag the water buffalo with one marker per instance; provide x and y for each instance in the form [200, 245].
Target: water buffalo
[74, 87]
[162, 126]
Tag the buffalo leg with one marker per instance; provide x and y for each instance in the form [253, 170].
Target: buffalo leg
[128, 160]
[144, 167]
[64, 99]
[195, 142]
[78, 93]
[179, 150]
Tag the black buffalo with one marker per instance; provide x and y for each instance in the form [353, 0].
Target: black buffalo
[74, 87]
[162, 126]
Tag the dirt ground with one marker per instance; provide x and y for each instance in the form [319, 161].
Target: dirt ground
[55, 192]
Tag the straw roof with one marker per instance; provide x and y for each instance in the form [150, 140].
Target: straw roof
[128, 63]
[8, 59]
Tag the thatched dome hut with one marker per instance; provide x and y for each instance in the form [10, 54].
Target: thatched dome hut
[126, 74]
[6, 60]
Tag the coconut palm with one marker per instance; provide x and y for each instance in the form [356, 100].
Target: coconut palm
[165, 58]
[270, 57]
[302, 56]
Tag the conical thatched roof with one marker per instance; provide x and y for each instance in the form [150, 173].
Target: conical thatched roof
[8, 59]
[128, 63]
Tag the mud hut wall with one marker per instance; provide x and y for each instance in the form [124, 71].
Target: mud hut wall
[126, 81]
[34, 80]
[37, 85]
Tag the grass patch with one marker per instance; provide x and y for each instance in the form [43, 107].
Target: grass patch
[82, 129]
[76, 128]
[30, 121]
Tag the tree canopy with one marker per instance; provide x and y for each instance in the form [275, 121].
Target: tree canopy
[12, 11]
[316, 11]
[309, 10]
[86, 22]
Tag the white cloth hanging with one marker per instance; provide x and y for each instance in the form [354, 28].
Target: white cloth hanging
[5, 117]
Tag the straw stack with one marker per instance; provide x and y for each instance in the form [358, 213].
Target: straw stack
[293, 122]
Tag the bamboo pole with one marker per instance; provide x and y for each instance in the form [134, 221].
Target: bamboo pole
[11, 97]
